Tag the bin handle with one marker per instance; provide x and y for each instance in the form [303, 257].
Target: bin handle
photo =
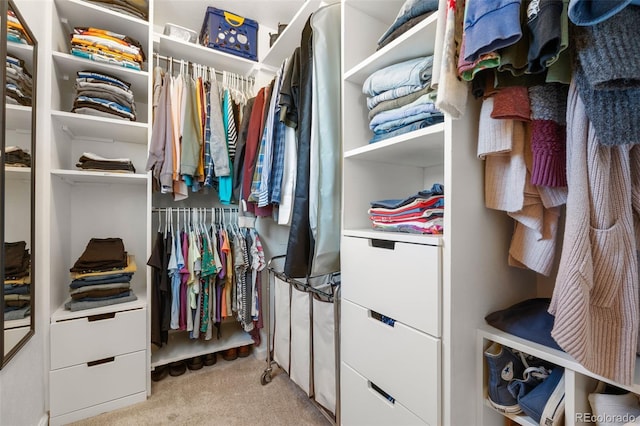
[233, 20]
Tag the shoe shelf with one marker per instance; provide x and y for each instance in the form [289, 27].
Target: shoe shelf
[521, 419]
[181, 347]
[554, 356]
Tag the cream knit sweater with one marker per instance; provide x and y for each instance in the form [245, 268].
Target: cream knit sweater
[595, 300]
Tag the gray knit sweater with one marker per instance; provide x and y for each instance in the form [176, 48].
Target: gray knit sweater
[595, 300]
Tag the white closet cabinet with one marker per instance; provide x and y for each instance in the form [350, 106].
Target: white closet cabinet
[99, 357]
[421, 368]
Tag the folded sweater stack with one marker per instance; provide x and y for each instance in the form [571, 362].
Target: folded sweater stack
[17, 281]
[105, 46]
[421, 213]
[102, 275]
[19, 83]
[103, 95]
[400, 98]
[91, 161]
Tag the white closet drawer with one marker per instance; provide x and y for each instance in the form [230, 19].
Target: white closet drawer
[364, 403]
[401, 360]
[84, 385]
[400, 279]
[90, 338]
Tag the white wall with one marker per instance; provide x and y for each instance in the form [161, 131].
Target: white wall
[23, 382]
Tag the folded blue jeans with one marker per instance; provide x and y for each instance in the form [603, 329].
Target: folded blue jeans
[409, 10]
[413, 72]
[377, 137]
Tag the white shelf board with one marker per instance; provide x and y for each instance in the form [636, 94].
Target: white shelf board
[78, 13]
[18, 323]
[68, 65]
[181, 347]
[290, 37]
[404, 237]
[18, 117]
[198, 54]
[420, 148]
[555, 356]
[81, 176]
[521, 419]
[86, 127]
[22, 51]
[412, 44]
[17, 173]
[61, 314]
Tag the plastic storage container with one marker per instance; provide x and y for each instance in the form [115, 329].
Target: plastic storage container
[230, 33]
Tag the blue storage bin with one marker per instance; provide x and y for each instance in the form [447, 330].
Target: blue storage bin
[230, 33]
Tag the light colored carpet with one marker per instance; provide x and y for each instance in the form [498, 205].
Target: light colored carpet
[226, 393]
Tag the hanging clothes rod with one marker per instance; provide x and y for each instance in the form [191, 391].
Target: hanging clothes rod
[178, 61]
[176, 209]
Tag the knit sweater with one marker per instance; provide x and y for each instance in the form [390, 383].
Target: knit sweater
[595, 299]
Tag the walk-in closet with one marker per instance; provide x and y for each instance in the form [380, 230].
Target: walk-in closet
[370, 212]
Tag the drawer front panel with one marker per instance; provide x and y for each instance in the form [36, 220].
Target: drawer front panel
[88, 384]
[401, 360]
[363, 403]
[90, 338]
[401, 279]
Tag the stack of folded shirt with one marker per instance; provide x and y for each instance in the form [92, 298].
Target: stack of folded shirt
[15, 31]
[19, 83]
[17, 281]
[420, 213]
[135, 8]
[102, 275]
[105, 46]
[91, 161]
[16, 157]
[400, 98]
[103, 95]
[411, 13]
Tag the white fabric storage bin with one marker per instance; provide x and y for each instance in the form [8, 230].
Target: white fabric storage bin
[324, 353]
[282, 323]
[300, 362]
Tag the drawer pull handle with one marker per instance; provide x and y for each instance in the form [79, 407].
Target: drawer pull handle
[382, 318]
[383, 393]
[101, 361]
[385, 244]
[101, 317]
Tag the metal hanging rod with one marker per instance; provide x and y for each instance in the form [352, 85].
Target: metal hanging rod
[178, 61]
[180, 209]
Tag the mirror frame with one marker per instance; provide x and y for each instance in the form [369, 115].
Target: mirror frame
[4, 8]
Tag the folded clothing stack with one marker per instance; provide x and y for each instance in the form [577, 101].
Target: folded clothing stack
[91, 161]
[17, 281]
[411, 14]
[105, 46]
[19, 83]
[15, 31]
[103, 95]
[420, 213]
[16, 157]
[400, 98]
[135, 8]
[102, 275]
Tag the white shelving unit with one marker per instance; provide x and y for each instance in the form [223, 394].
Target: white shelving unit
[453, 279]
[579, 381]
[96, 204]
[18, 118]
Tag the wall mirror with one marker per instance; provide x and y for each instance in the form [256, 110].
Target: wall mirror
[18, 48]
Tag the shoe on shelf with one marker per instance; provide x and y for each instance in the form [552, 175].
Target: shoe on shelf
[230, 354]
[210, 359]
[545, 403]
[195, 363]
[177, 368]
[531, 378]
[159, 373]
[504, 366]
[612, 404]
[244, 351]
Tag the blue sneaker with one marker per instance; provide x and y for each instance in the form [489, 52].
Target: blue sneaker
[504, 366]
[531, 378]
[545, 402]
